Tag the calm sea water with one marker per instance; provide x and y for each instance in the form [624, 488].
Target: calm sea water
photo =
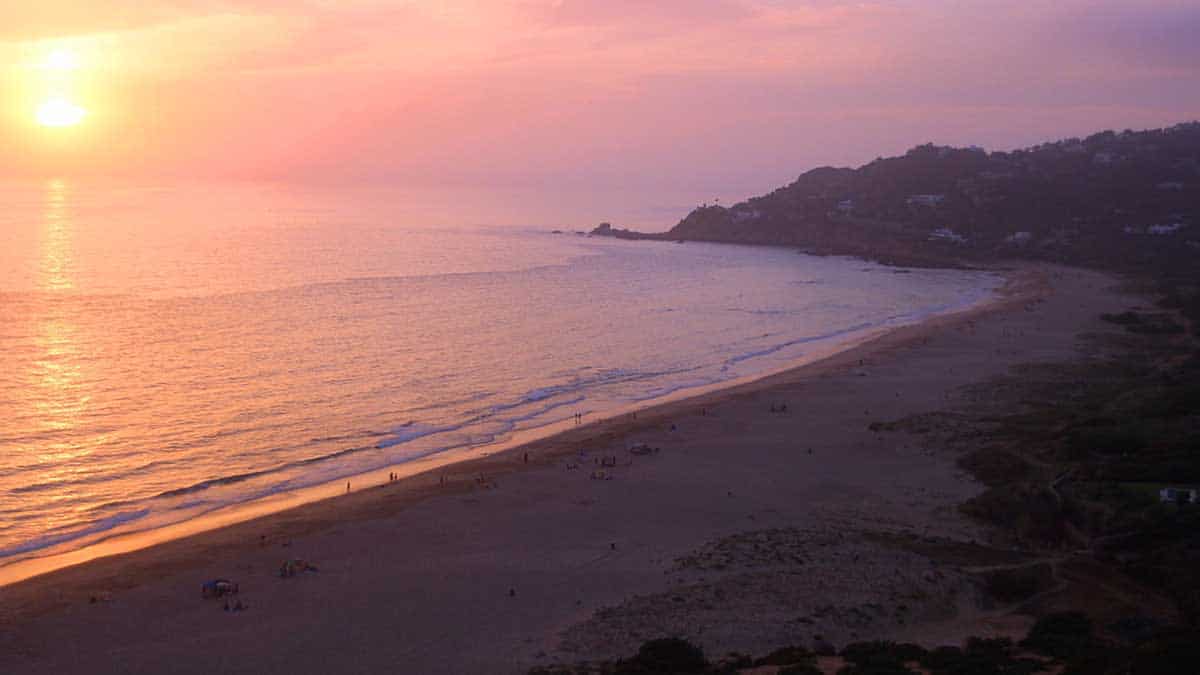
[168, 352]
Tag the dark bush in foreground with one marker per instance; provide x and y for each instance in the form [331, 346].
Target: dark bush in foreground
[982, 656]
[1171, 654]
[1064, 635]
[860, 652]
[1067, 635]
[1175, 401]
[879, 658]
[1099, 660]
[799, 669]
[786, 657]
[667, 655]
[882, 668]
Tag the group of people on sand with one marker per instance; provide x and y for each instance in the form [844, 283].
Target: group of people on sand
[778, 407]
[223, 588]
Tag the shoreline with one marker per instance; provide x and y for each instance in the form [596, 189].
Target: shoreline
[927, 260]
[121, 543]
[537, 564]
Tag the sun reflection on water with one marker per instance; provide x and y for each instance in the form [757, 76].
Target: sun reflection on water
[57, 268]
[60, 398]
[58, 375]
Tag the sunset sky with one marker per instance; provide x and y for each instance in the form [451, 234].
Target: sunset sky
[737, 94]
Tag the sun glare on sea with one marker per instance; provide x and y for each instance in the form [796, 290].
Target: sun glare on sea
[59, 113]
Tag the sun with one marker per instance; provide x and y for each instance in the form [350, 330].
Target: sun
[61, 59]
[58, 112]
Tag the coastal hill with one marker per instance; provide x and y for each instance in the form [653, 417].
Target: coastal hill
[1117, 200]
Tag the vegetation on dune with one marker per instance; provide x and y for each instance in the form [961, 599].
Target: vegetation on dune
[1064, 642]
[1073, 456]
[1073, 479]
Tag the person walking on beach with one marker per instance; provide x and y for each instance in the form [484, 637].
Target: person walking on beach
[347, 486]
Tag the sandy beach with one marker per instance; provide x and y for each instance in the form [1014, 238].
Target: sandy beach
[744, 528]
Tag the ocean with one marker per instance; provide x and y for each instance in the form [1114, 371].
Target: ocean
[168, 353]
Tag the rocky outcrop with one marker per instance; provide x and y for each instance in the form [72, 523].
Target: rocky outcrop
[1097, 202]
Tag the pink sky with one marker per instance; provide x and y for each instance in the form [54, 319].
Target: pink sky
[733, 95]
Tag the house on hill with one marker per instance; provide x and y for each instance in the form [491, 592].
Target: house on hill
[947, 234]
[1019, 238]
[1170, 228]
[925, 200]
[1178, 495]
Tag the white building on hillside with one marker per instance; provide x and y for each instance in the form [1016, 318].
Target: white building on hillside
[926, 200]
[1177, 495]
[947, 234]
[1171, 228]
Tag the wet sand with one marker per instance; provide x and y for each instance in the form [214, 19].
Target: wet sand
[511, 564]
